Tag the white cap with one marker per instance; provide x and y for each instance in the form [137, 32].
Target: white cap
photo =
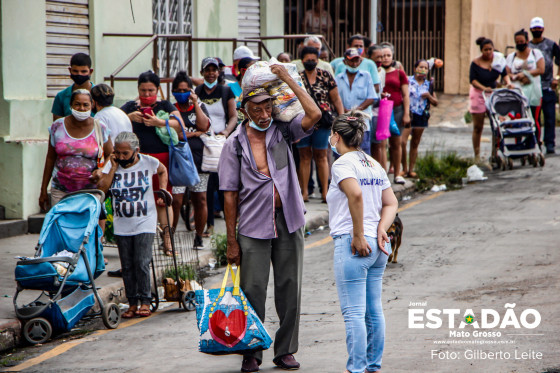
[243, 52]
[537, 22]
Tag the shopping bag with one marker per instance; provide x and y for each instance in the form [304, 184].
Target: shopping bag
[227, 322]
[384, 119]
[182, 170]
[393, 127]
[213, 146]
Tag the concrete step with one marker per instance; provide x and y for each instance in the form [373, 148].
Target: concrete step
[35, 223]
[10, 228]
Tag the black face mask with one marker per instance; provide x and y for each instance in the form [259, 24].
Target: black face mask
[79, 79]
[521, 47]
[310, 65]
[124, 163]
[537, 34]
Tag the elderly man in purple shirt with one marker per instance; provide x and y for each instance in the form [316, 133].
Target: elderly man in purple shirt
[261, 188]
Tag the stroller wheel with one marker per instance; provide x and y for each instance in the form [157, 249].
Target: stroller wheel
[541, 160]
[188, 301]
[535, 160]
[37, 330]
[154, 304]
[523, 161]
[111, 316]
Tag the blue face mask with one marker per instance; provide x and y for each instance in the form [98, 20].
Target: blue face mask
[360, 51]
[254, 125]
[333, 147]
[352, 70]
[182, 97]
[210, 85]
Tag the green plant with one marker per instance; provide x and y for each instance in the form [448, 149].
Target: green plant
[186, 272]
[468, 117]
[437, 168]
[219, 244]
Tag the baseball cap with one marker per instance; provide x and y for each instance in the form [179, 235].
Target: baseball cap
[537, 22]
[244, 52]
[255, 95]
[351, 53]
[209, 61]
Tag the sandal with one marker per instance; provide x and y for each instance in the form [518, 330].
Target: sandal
[412, 175]
[129, 314]
[143, 312]
[399, 180]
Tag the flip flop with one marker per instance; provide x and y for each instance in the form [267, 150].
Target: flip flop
[412, 175]
[143, 313]
[129, 314]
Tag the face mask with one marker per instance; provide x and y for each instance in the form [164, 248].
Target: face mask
[333, 147]
[378, 63]
[310, 65]
[210, 85]
[79, 79]
[81, 115]
[352, 70]
[148, 101]
[423, 72]
[253, 125]
[124, 163]
[537, 34]
[360, 51]
[521, 47]
[182, 97]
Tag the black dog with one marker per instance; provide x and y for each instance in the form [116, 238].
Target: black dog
[395, 235]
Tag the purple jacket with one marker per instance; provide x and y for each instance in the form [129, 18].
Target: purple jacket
[256, 190]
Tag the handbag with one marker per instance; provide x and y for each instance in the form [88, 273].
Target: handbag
[227, 322]
[182, 170]
[99, 139]
[384, 119]
[327, 118]
[213, 146]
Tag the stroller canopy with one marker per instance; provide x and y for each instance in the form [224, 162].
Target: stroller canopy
[504, 101]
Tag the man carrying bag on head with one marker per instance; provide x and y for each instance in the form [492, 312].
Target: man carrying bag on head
[258, 176]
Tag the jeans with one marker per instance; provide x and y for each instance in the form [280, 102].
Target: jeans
[136, 254]
[358, 281]
[548, 107]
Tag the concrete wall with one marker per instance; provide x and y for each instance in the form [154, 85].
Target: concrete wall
[25, 109]
[457, 45]
[109, 52]
[500, 19]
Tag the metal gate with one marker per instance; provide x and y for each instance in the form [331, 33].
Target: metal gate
[347, 17]
[172, 17]
[249, 21]
[67, 34]
[416, 28]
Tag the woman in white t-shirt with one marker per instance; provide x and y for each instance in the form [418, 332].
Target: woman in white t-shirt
[128, 175]
[525, 67]
[362, 206]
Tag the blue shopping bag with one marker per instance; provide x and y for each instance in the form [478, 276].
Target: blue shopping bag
[182, 170]
[227, 322]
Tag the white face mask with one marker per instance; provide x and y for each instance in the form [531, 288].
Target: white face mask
[81, 115]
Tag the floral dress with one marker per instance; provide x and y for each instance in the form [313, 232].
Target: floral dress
[75, 158]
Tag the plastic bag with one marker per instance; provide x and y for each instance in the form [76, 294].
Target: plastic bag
[384, 119]
[474, 173]
[285, 104]
[164, 135]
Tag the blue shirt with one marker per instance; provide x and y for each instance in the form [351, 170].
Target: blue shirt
[61, 103]
[366, 65]
[417, 103]
[362, 89]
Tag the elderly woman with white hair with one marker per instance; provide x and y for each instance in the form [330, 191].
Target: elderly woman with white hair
[128, 176]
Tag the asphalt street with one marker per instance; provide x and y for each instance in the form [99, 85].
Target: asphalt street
[487, 246]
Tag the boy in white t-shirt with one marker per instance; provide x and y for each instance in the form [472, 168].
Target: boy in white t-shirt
[362, 206]
[128, 175]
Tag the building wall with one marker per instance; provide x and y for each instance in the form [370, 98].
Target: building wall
[24, 108]
[466, 20]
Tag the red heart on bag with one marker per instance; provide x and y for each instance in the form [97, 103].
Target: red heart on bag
[228, 330]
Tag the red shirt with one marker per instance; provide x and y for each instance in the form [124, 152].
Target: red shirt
[393, 83]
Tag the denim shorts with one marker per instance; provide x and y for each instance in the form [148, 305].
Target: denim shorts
[319, 139]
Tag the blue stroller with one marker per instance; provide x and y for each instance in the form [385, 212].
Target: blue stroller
[68, 258]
